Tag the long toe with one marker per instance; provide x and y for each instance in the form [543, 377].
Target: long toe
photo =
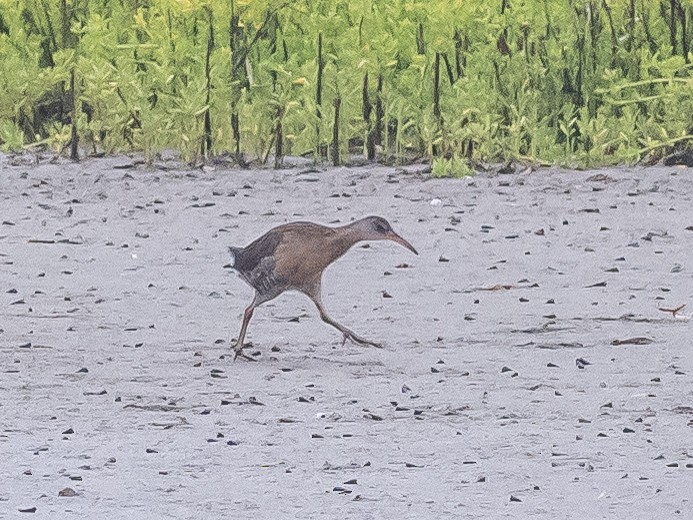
[362, 341]
[372, 343]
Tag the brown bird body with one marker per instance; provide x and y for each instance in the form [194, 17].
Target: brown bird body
[293, 257]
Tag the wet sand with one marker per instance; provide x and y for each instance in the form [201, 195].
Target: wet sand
[528, 371]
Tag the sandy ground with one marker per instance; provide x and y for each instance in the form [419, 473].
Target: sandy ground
[528, 369]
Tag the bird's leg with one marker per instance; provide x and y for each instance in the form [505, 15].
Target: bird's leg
[348, 334]
[238, 349]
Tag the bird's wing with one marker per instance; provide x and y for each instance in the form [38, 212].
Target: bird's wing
[248, 258]
[256, 263]
[264, 277]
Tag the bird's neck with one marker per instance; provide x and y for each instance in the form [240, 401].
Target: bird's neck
[344, 238]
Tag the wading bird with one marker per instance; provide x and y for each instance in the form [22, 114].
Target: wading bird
[292, 257]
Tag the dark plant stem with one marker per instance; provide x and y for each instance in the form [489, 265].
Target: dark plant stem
[366, 106]
[436, 87]
[236, 43]
[468, 151]
[614, 37]
[279, 139]
[448, 68]
[631, 26]
[169, 24]
[236, 131]
[272, 32]
[367, 109]
[503, 38]
[207, 137]
[318, 94]
[460, 46]
[64, 24]
[685, 44]
[577, 95]
[672, 25]
[261, 32]
[74, 136]
[436, 98]
[502, 43]
[593, 19]
[526, 47]
[335, 131]
[646, 27]
[379, 112]
[420, 42]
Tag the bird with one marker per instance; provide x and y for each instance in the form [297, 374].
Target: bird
[293, 257]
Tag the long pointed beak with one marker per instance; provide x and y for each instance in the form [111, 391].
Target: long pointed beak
[396, 238]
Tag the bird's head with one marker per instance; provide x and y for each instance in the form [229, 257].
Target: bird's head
[377, 228]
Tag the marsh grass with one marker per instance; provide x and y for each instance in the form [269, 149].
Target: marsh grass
[451, 167]
[587, 82]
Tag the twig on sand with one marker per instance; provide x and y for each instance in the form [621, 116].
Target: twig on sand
[632, 341]
[673, 311]
[504, 287]
[497, 287]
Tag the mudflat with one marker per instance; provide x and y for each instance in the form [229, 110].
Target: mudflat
[537, 359]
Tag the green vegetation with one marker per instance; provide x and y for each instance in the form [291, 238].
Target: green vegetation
[450, 167]
[581, 82]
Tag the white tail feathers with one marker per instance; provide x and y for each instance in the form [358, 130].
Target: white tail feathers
[233, 257]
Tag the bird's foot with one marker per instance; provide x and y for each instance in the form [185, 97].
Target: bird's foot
[238, 352]
[358, 339]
